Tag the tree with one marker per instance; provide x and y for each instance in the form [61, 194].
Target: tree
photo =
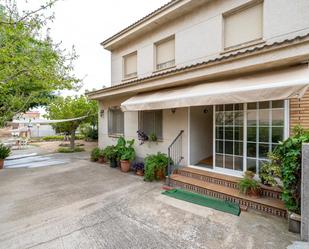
[69, 108]
[32, 66]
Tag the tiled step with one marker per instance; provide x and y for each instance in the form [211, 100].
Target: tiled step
[266, 205]
[224, 180]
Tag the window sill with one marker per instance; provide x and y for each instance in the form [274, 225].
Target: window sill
[242, 46]
[163, 69]
[115, 135]
[129, 78]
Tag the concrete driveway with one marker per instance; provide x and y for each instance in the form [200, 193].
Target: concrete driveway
[81, 204]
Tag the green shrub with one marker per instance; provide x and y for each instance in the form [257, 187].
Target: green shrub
[4, 151]
[110, 152]
[289, 154]
[125, 150]
[95, 154]
[70, 150]
[61, 137]
[247, 185]
[153, 163]
[270, 171]
[89, 132]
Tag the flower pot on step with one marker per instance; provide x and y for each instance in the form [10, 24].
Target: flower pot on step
[294, 222]
[125, 165]
[113, 163]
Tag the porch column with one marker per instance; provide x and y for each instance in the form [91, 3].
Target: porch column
[305, 193]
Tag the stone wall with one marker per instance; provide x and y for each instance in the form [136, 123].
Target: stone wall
[305, 194]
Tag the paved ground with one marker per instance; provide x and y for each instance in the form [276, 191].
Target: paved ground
[80, 204]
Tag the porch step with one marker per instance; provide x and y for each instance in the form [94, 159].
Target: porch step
[262, 204]
[225, 180]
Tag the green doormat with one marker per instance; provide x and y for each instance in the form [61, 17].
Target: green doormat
[221, 205]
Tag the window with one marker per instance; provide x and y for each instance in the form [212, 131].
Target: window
[115, 121]
[265, 128]
[165, 53]
[243, 26]
[150, 122]
[229, 136]
[264, 122]
[130, 66]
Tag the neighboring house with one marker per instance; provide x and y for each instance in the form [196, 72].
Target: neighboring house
[23, 126]
[232, 75]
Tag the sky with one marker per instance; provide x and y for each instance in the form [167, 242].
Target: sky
[85, 24]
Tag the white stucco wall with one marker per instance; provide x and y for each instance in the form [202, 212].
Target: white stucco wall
[199, 34]
[172, 125]
[201, 130]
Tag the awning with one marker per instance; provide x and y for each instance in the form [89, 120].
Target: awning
[276, 85]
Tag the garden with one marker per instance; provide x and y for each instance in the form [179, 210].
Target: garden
[122, 155]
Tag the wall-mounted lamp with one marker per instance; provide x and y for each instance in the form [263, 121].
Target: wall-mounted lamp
[173, 110]
[102, 113]
[205, 111]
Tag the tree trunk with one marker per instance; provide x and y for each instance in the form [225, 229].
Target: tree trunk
[72, 139]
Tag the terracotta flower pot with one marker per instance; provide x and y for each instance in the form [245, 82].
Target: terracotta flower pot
[101, 159]
[139, 172]
[254, 193]
[160, 174]
[125, 165]
[1, 163]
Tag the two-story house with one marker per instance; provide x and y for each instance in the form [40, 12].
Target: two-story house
[231, 74]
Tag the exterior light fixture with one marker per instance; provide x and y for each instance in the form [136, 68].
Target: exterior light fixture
[102, 113]
[173, 110]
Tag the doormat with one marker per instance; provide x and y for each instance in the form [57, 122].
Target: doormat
[221, 205]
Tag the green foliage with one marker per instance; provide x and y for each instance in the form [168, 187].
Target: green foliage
[153, 137]
[69, 108]
[95, 154]
[32, 66]
[70, 150]
[110, 152]
[247, 185]
[125, 150]
[61, 137]
[4, 151]
[90, 132]
[289, 157]
[153, 163]
[270, 171]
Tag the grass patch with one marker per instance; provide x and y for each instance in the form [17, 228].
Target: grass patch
[61, 137]
[69, 150]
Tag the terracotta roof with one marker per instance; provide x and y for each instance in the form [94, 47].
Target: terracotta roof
[165, 6]
[223, 57]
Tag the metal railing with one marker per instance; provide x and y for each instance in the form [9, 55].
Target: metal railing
[174, 155]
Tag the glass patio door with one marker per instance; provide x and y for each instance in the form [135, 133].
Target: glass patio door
[229, 136]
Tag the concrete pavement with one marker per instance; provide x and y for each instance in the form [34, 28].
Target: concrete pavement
[80, 204]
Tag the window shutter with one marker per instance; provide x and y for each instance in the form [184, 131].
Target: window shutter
[165, 53]
[243, 26]
[158, 124]
[130, 65]
[115, 121]
[151, 122]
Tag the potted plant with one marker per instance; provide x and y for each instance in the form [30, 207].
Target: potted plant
[110, 153]
[249, 186]
[138, 167]
[95, 153]
[155, 166]
[4, 153]
[126, 153]
[142, 136]
[101, 158]
[153, 137]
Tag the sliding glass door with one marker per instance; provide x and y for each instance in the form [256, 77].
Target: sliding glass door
[245, 133]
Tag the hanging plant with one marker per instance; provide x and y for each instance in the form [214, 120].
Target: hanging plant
[142, 137]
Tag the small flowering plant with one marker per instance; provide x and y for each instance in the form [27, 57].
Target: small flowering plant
[142, 136]
[138, 166]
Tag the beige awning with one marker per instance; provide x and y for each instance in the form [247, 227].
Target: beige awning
[284, 84]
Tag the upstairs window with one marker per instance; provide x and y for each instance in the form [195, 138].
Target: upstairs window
[115, 122]
[150, 122]
[165, 53]
[243, 26]
[130, 66]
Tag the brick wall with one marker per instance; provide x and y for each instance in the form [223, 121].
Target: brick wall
[299, 112]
